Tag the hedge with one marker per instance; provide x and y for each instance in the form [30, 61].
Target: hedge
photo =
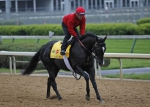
[143, 21]
[115, 29]
[31, 29]
[145, 28]
[99, 29]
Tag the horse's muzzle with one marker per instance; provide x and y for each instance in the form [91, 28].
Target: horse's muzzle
[101, 63]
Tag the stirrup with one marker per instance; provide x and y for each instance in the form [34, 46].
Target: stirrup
[63, 52]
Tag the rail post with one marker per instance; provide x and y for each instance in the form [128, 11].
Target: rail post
[10, 65]
[133, 45]
[120, 62]
[14, 64]
[51, 34]
[0, 39]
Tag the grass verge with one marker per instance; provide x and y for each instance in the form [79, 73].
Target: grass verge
[144, 76]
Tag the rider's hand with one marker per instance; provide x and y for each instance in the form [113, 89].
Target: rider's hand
[78, 37]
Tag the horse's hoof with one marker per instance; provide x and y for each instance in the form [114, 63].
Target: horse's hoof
[87, 97]
[60, 98]
[47, 96]
[102, 101]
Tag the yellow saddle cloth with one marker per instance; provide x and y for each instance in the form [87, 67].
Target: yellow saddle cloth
[55, 52]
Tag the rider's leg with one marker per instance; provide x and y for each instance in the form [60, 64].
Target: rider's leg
[66, 38]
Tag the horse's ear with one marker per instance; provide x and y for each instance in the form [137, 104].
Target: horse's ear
[105, 37]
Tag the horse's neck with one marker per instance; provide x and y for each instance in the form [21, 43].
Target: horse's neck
[88, 43]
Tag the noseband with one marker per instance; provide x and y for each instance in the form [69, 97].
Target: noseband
[97, 48]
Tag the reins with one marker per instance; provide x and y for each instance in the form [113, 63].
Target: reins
[87, 49]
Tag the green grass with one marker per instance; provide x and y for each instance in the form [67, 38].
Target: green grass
[128, 63]
[113, 45]
[4, 70]
[144, 76]
[125, 46]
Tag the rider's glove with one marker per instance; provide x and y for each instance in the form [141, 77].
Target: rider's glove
[77, 37]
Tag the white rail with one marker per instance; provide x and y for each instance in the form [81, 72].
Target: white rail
[61, 37]
[118, 56]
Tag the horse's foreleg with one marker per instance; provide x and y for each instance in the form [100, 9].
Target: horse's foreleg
[48, 87]
[92, 78]
[87, 96]
[86, 77]
[82, 73]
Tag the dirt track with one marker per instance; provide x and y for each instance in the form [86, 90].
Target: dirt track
[30, 91]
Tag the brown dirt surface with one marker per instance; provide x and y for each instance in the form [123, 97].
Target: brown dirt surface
[30, 91]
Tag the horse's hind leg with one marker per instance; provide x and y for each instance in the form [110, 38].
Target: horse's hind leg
[51, 82]
[48, 87]
[52, 70]
[87, 96]
[54, 85]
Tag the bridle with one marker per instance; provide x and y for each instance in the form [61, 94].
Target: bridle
[97, 48]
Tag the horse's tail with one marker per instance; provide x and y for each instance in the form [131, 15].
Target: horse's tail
[32, 64]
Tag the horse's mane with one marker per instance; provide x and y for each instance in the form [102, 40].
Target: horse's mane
[88, 34]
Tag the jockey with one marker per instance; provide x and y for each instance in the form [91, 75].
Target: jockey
[69, 24]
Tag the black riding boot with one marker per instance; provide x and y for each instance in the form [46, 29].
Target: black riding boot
[64, 46]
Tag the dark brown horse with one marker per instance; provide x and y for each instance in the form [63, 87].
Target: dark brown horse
[81, 60]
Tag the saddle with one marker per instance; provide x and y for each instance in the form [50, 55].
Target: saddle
[55, 52]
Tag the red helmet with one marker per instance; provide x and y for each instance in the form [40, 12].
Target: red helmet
[80, 10]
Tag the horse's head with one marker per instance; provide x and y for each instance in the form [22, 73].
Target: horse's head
[99, 50]
[98, 45]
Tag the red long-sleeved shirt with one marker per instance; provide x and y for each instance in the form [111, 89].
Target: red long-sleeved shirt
[71, 21]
